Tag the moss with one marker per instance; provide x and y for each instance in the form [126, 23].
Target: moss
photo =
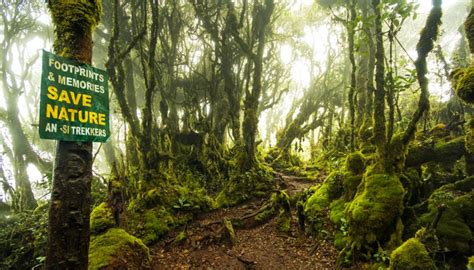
[448, 192]
[315, 206]
[74, 20]
[157, 223]
[101, 219]
[192, 200]
[243, 186]
[411, 255]
[340, 240]
[470, 263]
[439, 131]
[265, 215]
[355, 163]
[229, 228]
[337, 212]
[283, 160]
[151, 198]
[284, 221]
[463, 79]
[283, 201]
[469, 144]
[454, 229]
[337, 215]
[469, 27]
[351, 183]
[469, 139]
[373, 213]
[397, 153]
[116, 249]
[180, 237]
[278, 201]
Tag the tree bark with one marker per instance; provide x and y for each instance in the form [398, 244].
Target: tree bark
[68, 234]
[428, 36]
[379, 136]
[251, 103]
[351, 97]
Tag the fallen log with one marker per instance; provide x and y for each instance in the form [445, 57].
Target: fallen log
[436, 152]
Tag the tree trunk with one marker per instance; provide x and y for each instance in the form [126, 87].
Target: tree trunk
[68, 235]
[379, 136]
[351, 96]
[250, 124]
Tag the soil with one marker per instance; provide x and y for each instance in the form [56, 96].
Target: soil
[261, 247]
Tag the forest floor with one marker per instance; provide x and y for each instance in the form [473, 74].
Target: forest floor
[260, 247]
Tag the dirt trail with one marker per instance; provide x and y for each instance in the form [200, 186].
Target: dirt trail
[262, 247]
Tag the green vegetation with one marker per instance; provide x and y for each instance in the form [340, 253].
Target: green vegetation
[117, 249]
[101, 219]
[376, 208]
[316, 205]
[454, 229]
[470, 264]
[411, 255]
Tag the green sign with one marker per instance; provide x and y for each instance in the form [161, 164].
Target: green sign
[74, 102]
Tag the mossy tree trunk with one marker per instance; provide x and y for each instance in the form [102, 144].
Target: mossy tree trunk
[367, 123]
[141, 139]
[68, 232]
[350, 25]
[363, 68]
[428, 36]
[379, 137]
[260, 24]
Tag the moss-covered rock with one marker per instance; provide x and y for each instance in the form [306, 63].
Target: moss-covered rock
[355, 163]
[455, 226]
[101, 219]
[156, 223]
[337, 213]
[116, 249]
[350, 183]
[411, 255]
[378, 204]
[315, 206]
